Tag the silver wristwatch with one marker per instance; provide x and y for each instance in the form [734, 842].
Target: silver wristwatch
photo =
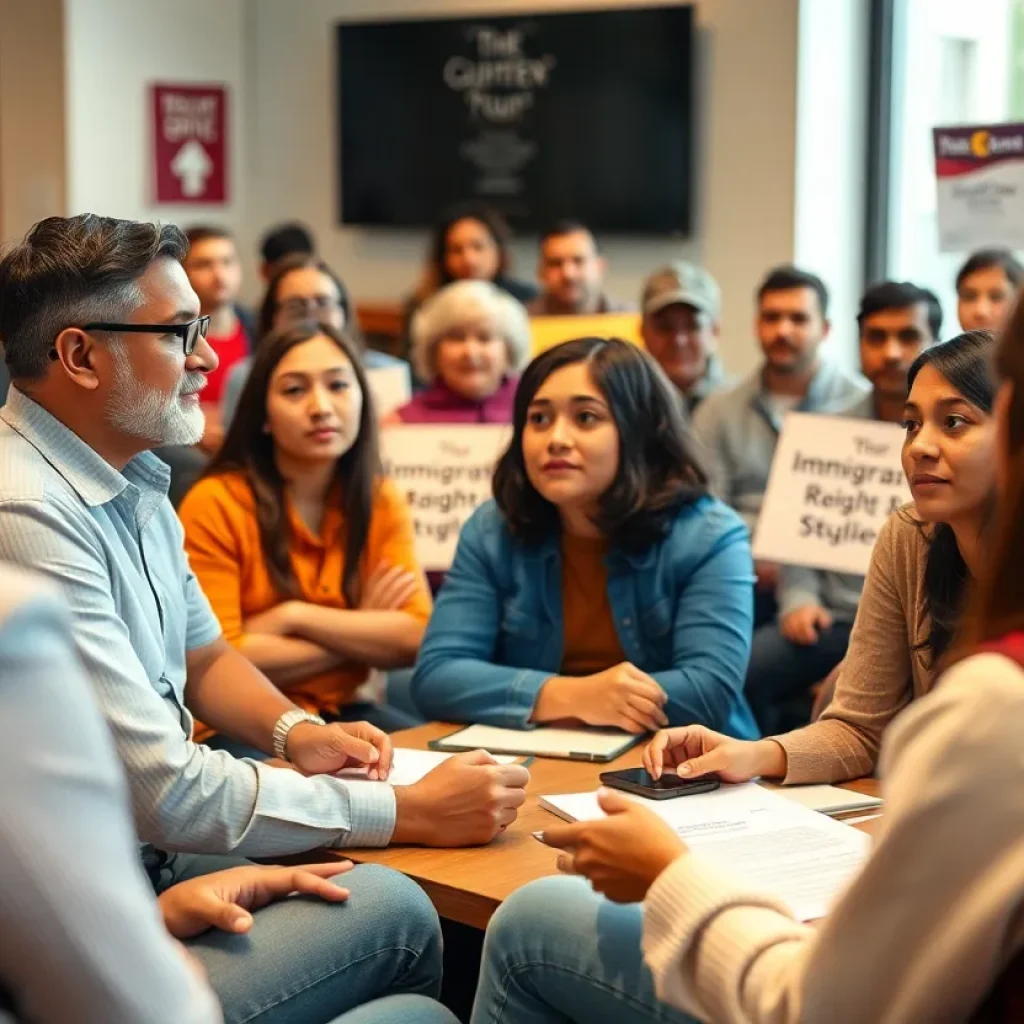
[285, 724]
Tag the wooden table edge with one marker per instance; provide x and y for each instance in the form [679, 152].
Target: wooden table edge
[475, 909]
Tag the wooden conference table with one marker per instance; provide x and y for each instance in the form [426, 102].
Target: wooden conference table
[468, 885]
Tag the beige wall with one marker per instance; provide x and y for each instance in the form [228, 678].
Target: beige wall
[766, 192]
[115, 50]
[746, 150]
[32, 123]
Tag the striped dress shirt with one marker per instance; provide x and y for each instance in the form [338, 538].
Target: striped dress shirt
[82, 939]
[112, 543]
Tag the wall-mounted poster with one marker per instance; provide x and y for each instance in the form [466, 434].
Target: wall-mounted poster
[189, 143]
[980, 174]
[584, 114]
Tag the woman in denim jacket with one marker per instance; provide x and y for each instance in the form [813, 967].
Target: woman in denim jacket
[602, 584]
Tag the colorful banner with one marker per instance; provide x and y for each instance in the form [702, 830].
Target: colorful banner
[980, 175]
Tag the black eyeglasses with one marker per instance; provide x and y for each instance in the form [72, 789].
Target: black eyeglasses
[189, 332]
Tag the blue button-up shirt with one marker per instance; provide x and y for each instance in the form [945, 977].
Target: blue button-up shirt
[113, 544]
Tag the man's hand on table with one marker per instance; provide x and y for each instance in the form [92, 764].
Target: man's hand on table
[466, 801]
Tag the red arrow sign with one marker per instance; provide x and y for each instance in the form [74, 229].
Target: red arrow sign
[190, 143]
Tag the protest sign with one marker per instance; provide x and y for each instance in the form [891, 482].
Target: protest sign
[980, 174]
[444, 471]
[834, 481]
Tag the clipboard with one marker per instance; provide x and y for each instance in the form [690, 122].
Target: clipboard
[598, 746]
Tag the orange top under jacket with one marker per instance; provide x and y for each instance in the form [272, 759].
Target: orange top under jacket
[591, 643]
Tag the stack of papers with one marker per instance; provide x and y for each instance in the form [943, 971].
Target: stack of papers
[773, 844]
[409, 766]
[829, 799]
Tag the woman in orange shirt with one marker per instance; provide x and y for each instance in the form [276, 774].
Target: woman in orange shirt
[304, 550]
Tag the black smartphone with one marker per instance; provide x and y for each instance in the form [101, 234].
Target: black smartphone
[668, 787]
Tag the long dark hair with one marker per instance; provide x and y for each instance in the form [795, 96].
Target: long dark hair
[997, 604]
[436, 275]
[658, 470]
[965, 361]
[249, 449]
[304, 261]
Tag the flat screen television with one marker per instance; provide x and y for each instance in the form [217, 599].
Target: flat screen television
[585, 115]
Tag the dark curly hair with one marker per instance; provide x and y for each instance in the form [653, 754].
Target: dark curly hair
[658, 472]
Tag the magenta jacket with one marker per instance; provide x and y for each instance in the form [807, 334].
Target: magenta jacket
[439, 404]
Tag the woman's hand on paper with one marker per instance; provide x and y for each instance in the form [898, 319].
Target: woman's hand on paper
[622, 854]
[693, 750]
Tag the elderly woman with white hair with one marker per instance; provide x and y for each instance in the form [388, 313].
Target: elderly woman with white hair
[469, 341]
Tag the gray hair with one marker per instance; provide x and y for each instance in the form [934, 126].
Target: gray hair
[458, 303]
[69, 271]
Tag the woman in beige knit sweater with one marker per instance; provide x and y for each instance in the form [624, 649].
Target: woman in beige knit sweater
[900, 947]
[922, 560]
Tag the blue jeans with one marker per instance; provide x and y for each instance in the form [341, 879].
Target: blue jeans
[399, 1010]
[308, 962]
[556, 952]
[781, 673]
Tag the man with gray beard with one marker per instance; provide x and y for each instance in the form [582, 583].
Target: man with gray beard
[107, 355]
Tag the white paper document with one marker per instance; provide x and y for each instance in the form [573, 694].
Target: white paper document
[576, 744]
[829, 799]
[775, 845]
[410, 766]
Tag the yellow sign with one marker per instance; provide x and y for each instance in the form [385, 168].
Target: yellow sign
[549, 331]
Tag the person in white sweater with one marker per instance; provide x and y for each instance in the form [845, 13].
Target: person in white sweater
[932, 928]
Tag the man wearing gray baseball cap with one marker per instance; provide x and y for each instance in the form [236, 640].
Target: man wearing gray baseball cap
[681, 305]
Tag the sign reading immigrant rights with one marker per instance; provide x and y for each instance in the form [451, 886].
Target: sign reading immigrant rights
[189, 143]
[445, 473]
[833, 483]
[980, 175]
